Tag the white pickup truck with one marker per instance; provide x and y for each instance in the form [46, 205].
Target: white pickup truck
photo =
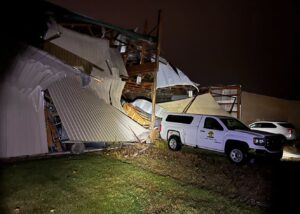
[219, 133]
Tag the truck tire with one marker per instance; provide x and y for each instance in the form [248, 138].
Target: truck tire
[174, 143]
[237, 155]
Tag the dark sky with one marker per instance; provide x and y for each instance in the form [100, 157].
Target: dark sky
[247, 42]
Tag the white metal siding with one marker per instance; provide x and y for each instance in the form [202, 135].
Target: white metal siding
[88, 118]
[22, 120]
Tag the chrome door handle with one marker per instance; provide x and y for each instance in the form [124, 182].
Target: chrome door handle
[202, 131]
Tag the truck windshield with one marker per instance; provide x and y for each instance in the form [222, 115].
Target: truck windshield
[233, 124]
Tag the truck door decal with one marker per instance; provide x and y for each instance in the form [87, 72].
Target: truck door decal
[210, 134]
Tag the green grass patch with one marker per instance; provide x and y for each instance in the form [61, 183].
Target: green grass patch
[97, 183]
[212, 171]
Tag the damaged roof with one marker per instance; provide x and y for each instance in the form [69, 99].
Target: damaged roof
[88, 118]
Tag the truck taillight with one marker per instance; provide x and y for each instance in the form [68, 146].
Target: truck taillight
[290, 131]
[160, 127]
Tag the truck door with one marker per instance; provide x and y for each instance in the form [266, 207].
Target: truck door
[211, 134]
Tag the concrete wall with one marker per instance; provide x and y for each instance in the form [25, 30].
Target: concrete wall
[259, 107]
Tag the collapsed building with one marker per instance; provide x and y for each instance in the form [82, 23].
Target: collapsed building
[38, 88]
[68, 91]
[91, 82]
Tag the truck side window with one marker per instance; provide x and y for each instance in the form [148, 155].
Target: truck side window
[211, 123]
[179, 119]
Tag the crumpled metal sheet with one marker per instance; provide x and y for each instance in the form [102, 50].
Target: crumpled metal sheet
[88, 118]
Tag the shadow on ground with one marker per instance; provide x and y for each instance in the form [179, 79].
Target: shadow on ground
[285, 187]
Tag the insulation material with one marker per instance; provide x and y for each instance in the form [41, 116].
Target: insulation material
[133, 113]
[202, 104]
[90, 119]
[146, 106]
[22, 124]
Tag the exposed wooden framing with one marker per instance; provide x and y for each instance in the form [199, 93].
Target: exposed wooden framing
[142, 68]
[140, 49]
[159, 29]
[176, 89]
[134, 86]
[239, 103]
[235, 95]
[143, 84]
[140, 89]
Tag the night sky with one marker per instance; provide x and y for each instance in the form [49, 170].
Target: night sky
[247, 42]
[252, 42]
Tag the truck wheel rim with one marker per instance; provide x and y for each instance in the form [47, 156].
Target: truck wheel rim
[236, 155]
[173, 143]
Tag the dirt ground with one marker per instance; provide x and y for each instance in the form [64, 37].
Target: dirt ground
[262, 183]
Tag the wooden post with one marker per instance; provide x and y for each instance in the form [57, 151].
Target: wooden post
[156, 70]
[239, 102]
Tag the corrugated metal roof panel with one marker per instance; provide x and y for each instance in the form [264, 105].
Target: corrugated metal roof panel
[94, 50]
[168, 75]
[88, 118]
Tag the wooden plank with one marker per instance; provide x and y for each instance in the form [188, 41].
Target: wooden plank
[229, 87]
[159, 33]
[146, 84]
[239, 103]
[52, 135]
[132, 87]
[141, 68]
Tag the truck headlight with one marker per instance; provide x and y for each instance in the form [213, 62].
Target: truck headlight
[259, 141]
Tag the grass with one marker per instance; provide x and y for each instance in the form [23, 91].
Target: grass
[99, 183]
[207, 170]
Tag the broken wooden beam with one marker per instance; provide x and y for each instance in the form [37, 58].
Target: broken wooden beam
[141, 68]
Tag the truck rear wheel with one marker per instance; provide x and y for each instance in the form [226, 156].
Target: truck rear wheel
[174, 143]
[237, 155]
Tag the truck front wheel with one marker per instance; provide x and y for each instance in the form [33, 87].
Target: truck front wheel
[174, 143]
[237, 155]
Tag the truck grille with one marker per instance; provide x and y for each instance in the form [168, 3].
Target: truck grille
[274, 143]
